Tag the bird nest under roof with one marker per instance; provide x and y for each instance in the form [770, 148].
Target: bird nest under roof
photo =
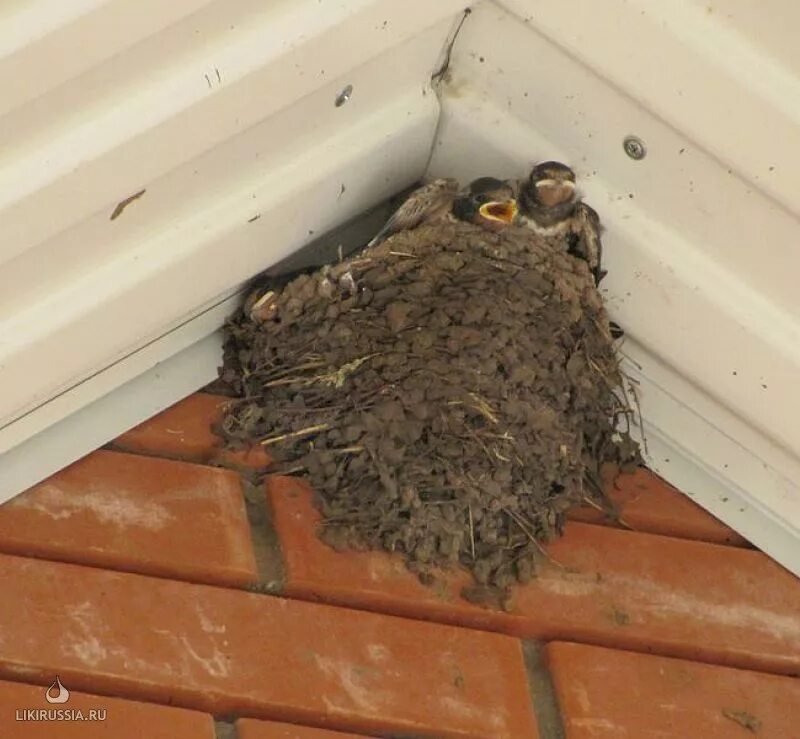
[450, 393]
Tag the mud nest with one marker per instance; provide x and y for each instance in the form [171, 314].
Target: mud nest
[449, 395]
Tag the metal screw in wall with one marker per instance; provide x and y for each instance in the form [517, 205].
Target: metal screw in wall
[634, 147]
[343, 96]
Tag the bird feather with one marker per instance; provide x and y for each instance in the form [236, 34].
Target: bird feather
[425, 202]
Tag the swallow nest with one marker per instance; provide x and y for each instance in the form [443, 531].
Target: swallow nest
[450, 402]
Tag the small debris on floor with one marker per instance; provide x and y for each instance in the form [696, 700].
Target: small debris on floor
[449, 394]
[743, 718]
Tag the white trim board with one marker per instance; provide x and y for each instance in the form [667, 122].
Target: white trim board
[751, 487]
[110, 415]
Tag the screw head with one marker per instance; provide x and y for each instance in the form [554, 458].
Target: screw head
[634, 147]
[343, 96]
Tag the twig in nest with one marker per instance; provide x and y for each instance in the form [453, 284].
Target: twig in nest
[518, 520]
[596, 367]
[484, 408]
[505, 436]
[403, 254]
[632, 387]
[289, 381]
[295, 434]
[471, 532]
[613, 514]
[348, 450]
[292, 379]
[356, 514]
[299, 368]
[338, 378]
[341, 269]
[594, 505]
[483, 446]
[480, 405]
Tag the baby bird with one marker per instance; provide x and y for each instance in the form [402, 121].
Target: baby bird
[486, 201]
[551, 207]
[428, 203]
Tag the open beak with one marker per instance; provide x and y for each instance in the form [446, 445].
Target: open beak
[554, 192]
[503, 211]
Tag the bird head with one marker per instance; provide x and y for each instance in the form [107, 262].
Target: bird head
[488, 202]
[485, 189]
[551, 184]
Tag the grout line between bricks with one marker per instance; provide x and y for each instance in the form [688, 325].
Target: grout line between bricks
[112, 446]
[224, 724]
[264, 538]
[225, 730]
[543, 694]
[58, 558]
[213, 461]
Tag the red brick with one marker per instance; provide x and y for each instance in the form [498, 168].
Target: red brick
[606, 694]
[248, 728]
[231, 652]
[184, 431]
[135, 513]
[647, 503]
[123, 719]
[603, 586]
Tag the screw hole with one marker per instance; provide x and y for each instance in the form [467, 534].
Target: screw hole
[343, 96]
[634, 147]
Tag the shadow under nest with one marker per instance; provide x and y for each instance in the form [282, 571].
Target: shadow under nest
[449, 395]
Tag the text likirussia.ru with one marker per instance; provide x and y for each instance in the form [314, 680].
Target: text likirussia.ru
[61, 714]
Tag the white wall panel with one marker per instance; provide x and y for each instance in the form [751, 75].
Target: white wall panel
[44, 43]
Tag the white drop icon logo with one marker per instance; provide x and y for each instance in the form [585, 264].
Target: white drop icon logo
[62, 696]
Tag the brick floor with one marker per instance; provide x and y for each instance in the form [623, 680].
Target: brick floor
[646, 503]
[121, 719]
[127, 575]
[128, 512]
[607, 693]
[604, 586]
[252, 729]
[226, 651]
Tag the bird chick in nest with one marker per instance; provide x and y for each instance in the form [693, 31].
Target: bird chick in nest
[486, 202]
[551, 206]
